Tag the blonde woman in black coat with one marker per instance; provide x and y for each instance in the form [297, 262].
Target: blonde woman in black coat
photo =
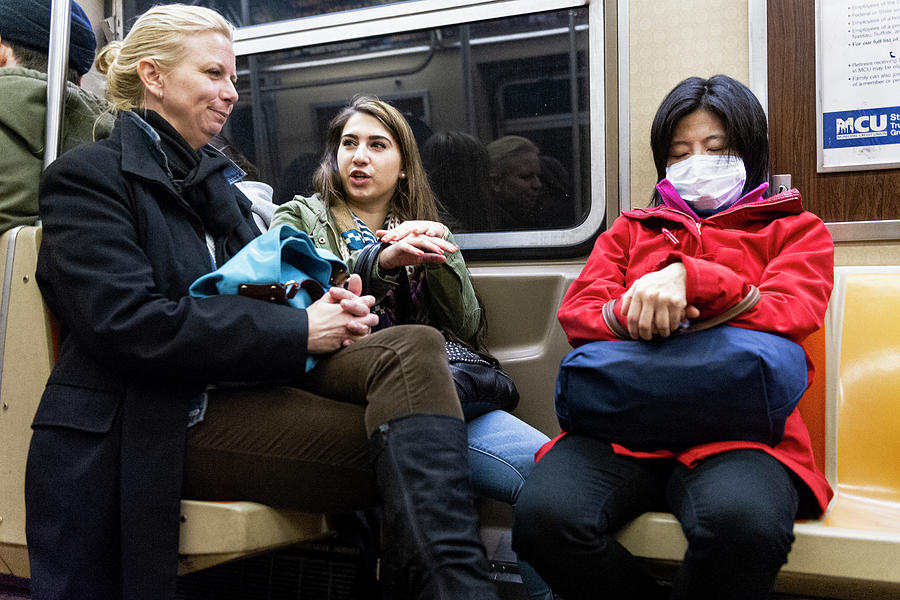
[132, 419]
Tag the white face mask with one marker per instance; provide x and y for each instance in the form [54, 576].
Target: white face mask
[708, 182]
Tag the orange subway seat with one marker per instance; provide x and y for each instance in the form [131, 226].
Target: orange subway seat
[868, 406]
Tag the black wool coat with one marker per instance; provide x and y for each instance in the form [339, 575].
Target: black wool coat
[120, 249]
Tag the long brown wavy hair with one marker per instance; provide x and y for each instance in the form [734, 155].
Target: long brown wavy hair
[413, 198]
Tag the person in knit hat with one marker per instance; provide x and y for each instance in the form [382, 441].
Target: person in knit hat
[24, 43]
[25, 32]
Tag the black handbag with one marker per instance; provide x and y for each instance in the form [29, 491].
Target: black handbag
[481, 383]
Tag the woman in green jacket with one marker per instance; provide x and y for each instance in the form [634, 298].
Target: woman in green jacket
[372, 196]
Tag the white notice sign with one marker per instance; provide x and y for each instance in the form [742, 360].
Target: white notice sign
[858, 81]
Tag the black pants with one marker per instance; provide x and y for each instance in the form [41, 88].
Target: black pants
[737, 511]
[300, 448]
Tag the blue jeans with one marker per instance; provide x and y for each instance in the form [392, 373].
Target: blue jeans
[501, 456]
[736, 509]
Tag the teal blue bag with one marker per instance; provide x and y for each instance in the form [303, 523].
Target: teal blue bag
[281, 266]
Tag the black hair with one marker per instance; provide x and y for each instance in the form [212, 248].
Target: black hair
[35, 60]
[742, 116]
[458, 168]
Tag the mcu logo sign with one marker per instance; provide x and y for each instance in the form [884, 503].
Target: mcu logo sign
[862, 126]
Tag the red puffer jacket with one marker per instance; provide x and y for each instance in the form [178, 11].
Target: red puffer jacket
[774, 244]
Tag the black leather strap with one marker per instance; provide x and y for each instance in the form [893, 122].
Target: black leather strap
[365, 267]
[365, 263]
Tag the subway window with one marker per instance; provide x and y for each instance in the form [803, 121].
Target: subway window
[244, 12]
[500, 106]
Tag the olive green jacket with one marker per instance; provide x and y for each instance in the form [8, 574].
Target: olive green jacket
[23, 115]
[452, 304]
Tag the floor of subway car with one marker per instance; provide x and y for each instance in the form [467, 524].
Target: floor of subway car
[505, 570]
[328, 570]
[216, 582]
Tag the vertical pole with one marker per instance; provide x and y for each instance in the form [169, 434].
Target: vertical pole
[465, 49]
[57, 66]
[576, 125]
[260, 137]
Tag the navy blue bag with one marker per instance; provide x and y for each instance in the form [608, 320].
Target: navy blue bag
[720, 384]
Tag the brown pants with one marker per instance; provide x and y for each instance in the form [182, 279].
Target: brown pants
[307, 448]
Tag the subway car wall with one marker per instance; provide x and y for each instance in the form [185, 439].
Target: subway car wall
[580, 80]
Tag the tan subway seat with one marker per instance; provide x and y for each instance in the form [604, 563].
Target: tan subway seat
[211, 532]
[214, 532]
[820, 550]
[853, 413]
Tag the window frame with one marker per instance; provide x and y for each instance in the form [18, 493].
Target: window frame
[428, 14]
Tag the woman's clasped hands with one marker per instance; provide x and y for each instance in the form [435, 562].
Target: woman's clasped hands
[340, 317]
[414, 243]
[656, 303]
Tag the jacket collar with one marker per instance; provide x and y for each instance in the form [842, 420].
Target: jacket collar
[140, 142]
[673, 199]
[752, 207]
[324, 216]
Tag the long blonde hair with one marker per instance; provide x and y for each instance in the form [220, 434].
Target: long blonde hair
[158, 35]
[413, 198]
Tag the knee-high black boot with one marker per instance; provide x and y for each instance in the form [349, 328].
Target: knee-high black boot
[431, 547]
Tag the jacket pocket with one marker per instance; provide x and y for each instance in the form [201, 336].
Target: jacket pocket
[72, 407]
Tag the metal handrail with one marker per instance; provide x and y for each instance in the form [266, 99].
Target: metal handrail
[57, 67]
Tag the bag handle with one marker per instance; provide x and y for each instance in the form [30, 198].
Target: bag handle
[365, 265]
[280, 293]
[746, 303]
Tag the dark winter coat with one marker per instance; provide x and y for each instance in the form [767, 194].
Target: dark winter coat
[120, 248]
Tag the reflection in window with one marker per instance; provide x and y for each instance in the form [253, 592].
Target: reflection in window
[255, 12]
[499, 108]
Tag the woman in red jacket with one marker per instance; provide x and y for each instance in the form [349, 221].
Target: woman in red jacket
[710, 235]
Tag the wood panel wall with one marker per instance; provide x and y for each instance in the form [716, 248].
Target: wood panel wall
[844, 196]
